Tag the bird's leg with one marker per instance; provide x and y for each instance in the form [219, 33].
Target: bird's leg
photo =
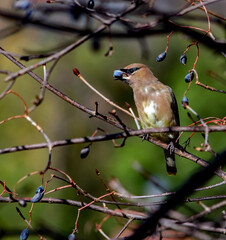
[171, 147]
[145, 136]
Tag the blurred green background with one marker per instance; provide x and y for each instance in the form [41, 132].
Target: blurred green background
[60, 120]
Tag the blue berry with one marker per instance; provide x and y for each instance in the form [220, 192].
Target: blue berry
[183, 59]
[38, 194]
[71, 237]
[91, 4]
[24, 234]
[118, 74]
[161, 57]
[189, 77]
[40, 189]
[184, 102]
[84, 152]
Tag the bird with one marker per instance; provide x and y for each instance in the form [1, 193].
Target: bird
[156, 106]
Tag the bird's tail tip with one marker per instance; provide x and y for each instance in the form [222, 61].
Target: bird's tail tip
[171, 170]
[170, 163]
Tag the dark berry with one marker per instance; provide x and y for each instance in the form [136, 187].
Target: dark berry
[161, 57]
[76, 71]
[189, 77]
[184, 102]
[84, 152]
[24, 58]
[22, 203]
[24, 234]
[90, 4]
[71, 237]
[96, 43]
[38, 194]
[183, 59]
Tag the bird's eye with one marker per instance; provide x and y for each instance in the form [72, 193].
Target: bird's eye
[132, 70]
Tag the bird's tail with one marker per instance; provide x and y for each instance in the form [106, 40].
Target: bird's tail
[170, 162]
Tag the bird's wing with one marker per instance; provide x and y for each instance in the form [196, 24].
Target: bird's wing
[174, 106]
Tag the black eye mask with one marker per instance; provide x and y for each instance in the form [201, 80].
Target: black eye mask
[129, 70]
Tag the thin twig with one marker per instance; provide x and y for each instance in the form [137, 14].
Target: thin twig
[119, 135]
[134, 116]
[28, 223]
[117, 213]
[205, 212]
[124, 228]
[198, 5]
[77, 73]
[39, 99]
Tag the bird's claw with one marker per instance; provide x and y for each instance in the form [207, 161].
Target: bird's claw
[171, 148]
[145, 136]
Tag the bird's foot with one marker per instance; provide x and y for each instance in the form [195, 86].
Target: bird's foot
[145, 136]
[171, 148]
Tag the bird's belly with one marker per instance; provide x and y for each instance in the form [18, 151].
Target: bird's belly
[151, 118]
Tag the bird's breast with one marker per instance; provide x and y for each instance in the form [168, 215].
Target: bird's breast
[150, 116]
[151, 104]
[150, 110]
[154, 109]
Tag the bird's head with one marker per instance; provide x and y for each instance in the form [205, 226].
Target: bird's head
[133, 74]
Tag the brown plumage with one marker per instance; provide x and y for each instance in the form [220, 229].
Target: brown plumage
[156, 105]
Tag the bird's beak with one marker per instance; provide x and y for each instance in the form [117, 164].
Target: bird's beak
[118, 75]
[121, 75]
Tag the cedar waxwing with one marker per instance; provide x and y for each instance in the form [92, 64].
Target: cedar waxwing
[156, 105]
